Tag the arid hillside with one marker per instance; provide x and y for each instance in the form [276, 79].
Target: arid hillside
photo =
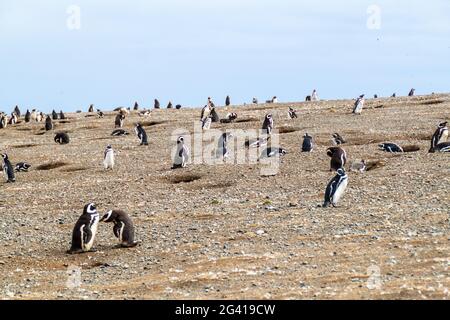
[227, 231]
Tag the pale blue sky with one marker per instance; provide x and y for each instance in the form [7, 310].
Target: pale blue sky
[186, 51]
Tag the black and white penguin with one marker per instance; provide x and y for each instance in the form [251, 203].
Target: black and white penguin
[214, 115]
[22, 167]
[440, 135]
[118, 122]
[268, 124]
[359, 105]
[109, 158]
[62, 138]
[337, 139]
[28, 116]
[314, 96]
[13, 119]
[3, 121]
[206, 122]
[390, 147]
[222, 147]
[230, 117]
[307, 145]
[54, 115]
[227, 101]
[178, 106]
[48, 124]
[292, 113]
[8, 169]
[412, 92]
[441, 147]
[308, 98]
[119, 133]
[61, 115]
[182, 154]
[141, 134]
[123, 227]
[273, 152]
[85, 230]
[338, 158]
[255, 101]
[157, 104]
[335, 189]
[91, 108]
[169, 105]
[17, 111]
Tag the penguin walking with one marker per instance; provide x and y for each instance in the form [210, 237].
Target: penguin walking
[292, 113]
[359, 105]
[268, 124]
[119, 133]
[85, 230]
[227, 101]
[307, 145]
[441, 147]
[22, 167]
[118, 122]
[412, 92]
[123, 227]
[27, 116]
[338, 158]
[182, 155]
[440, 135]
[337, 139]
[390, 147]
[8, 169]
[335, 188]
[62, 138]
[141, 134]
[222, 148]
[54, 115]
[48, 124]
[109, 158]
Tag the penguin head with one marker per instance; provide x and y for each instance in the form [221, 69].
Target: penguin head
[4, 156]
[307, 136]
[90, 208]
[443, 124]
[108, 147]
[107, 217]
[341, 172]
[180, 140]
[381, 146]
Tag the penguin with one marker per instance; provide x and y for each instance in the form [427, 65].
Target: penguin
[222, 147]
[123, 227]
[119, 133]
[268, 124]
[136, 106]
[100, 114]
[22, 167]
[375, 96]
[141, 134]
[157, 105]
[108, 158]
[337, 139]
[3, 121]
[255, 101]
[206, 110]
[258, 143]
[230, 117]
[85, 230]
[441, 147]
[54, 115]
[62, 138]
[440, 135]
[214, 115]
[17, 111]
[412, 92]
[170, 106]
[335, 188]
[13, 119]
[314, 96]
[338, 158]
[144, 113]
[33, 115]
[182, 155]
[359, 166]
[292, 113]
[118, 122]
[273, 152]
[308, 98]
[8, 169]
[210, 103]
[27, 116]
[61, 115]
[390, 147]
[39, 117]
[275, 99]
[48, 124]
[178, 106]
[227, 101]
[206, 123]
[307, 145]
[359, 105]
[394, 95]
[91, 108]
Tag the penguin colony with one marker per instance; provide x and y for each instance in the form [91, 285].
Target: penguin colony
[85, 229]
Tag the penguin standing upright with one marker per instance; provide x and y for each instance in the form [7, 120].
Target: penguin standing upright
[17, 111]
[141, 134]
[108, 158]
[255, 101]
[214, 115]
[314, 96]
[307, 145]
[182, 155]
[91, 108]
[170, 105]
[136, 106]
[48, 124]
[8, 169]
[227, 101]
[440, 135]
[338, 158]
[222, 148]
[85, 229]
[27, 116]
[359, 105]
[3, 121]
[61, 115]
[118, 122]
[123, 227]
[335, 188]
[157, 104]
[54, 115]
[268, 124]
[412, 92]
[13, 120]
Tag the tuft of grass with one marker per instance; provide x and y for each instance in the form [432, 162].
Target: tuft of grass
[215, 202]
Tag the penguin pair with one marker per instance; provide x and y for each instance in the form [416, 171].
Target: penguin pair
[338, 158]
[268, 124]
[8, 169]
[141, 134]
[439, 137]
[85, 230]
[182, 154]
[359, 105]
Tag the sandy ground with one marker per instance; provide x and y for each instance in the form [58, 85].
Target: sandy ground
[225, 231]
